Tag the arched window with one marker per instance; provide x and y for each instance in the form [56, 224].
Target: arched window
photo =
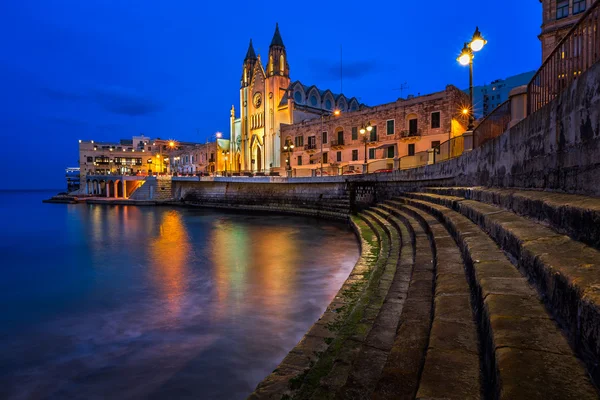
[271, 64]
[313, 100]
[328, 104]
[281, 64]
[298, 97]
[245, 75]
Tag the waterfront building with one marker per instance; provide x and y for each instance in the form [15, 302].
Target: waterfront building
[73, 179]
[269, 99]
[140, 155]
[205, 158]
[558, 16]
[487, 97]
[401, 128]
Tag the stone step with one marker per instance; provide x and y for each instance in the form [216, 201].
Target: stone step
[573, 215]
[355, 348]
[565, 272]
[401, 373]
[301, 371]
[367, 367]
[525, 354]
[452, 364]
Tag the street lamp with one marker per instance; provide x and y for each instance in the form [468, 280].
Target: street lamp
[226, 154]
[323, 113]
[288, 148]
[466, 58]
[363, 131]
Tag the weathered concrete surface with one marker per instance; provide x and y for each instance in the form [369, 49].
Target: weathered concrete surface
[574, 215]
[514, 326]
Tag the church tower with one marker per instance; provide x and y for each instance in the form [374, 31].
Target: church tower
[280, 108]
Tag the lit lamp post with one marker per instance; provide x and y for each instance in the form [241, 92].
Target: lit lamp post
[225, 154]
[217, 137]
[466, 58]
[363, 131]
[288, 148]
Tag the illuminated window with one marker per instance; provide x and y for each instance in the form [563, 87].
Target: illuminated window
[298, 97]
[281, 64]
[313, 100]
[435, 120]
[271, 64]
[562, 9]
[578, 6]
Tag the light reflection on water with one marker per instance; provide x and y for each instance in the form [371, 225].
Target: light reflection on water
[132, 302]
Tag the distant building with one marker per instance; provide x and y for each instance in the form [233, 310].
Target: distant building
[401, 128]
[140, 155]
[203, 158]
[73, 179]
[558, 16]
[487, 97]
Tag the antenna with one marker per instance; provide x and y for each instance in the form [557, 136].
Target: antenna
[402, 88]
[341, 72]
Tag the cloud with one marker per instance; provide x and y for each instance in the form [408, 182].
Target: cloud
[114, 99]
[125, 101]
[60, 94]
[350, 69]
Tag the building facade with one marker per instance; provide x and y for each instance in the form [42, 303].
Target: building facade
[140, 155]
[205, 159]
[268, 100]
[487, 97]
[558, 16]
[401, 128]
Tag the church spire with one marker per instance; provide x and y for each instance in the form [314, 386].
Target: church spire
[277, 64]
[277, 41]
[250, 54]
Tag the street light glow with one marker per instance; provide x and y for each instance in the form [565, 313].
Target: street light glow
[465, 111]
[218, 134]
[478, 41]
[171, 144]
[362, 130]
[369, 127]
[464, 59]
[337, 112]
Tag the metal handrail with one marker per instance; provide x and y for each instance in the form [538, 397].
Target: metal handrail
[574, 54]
[494, 125]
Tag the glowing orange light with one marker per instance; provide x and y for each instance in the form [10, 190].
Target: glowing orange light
[465, 111]
[171, 144]
[336, 112]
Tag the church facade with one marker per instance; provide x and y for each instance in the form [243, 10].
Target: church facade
[268, 101]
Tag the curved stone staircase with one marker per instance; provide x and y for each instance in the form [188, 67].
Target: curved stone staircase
[460, 293]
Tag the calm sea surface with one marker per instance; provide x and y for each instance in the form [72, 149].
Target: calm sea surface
[101, 302]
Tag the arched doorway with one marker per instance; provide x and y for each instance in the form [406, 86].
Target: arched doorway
[119, 189]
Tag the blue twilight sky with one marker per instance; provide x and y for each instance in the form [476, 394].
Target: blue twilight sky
[109, 69]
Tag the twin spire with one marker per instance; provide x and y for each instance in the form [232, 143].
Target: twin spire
[276, 41]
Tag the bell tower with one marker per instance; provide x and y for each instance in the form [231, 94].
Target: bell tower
[248, 69]
[279, 109]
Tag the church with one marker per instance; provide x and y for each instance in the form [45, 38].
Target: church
[268, 100]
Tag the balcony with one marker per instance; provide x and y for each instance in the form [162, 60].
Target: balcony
[337, 143]
[409, 136]
[310, 147]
